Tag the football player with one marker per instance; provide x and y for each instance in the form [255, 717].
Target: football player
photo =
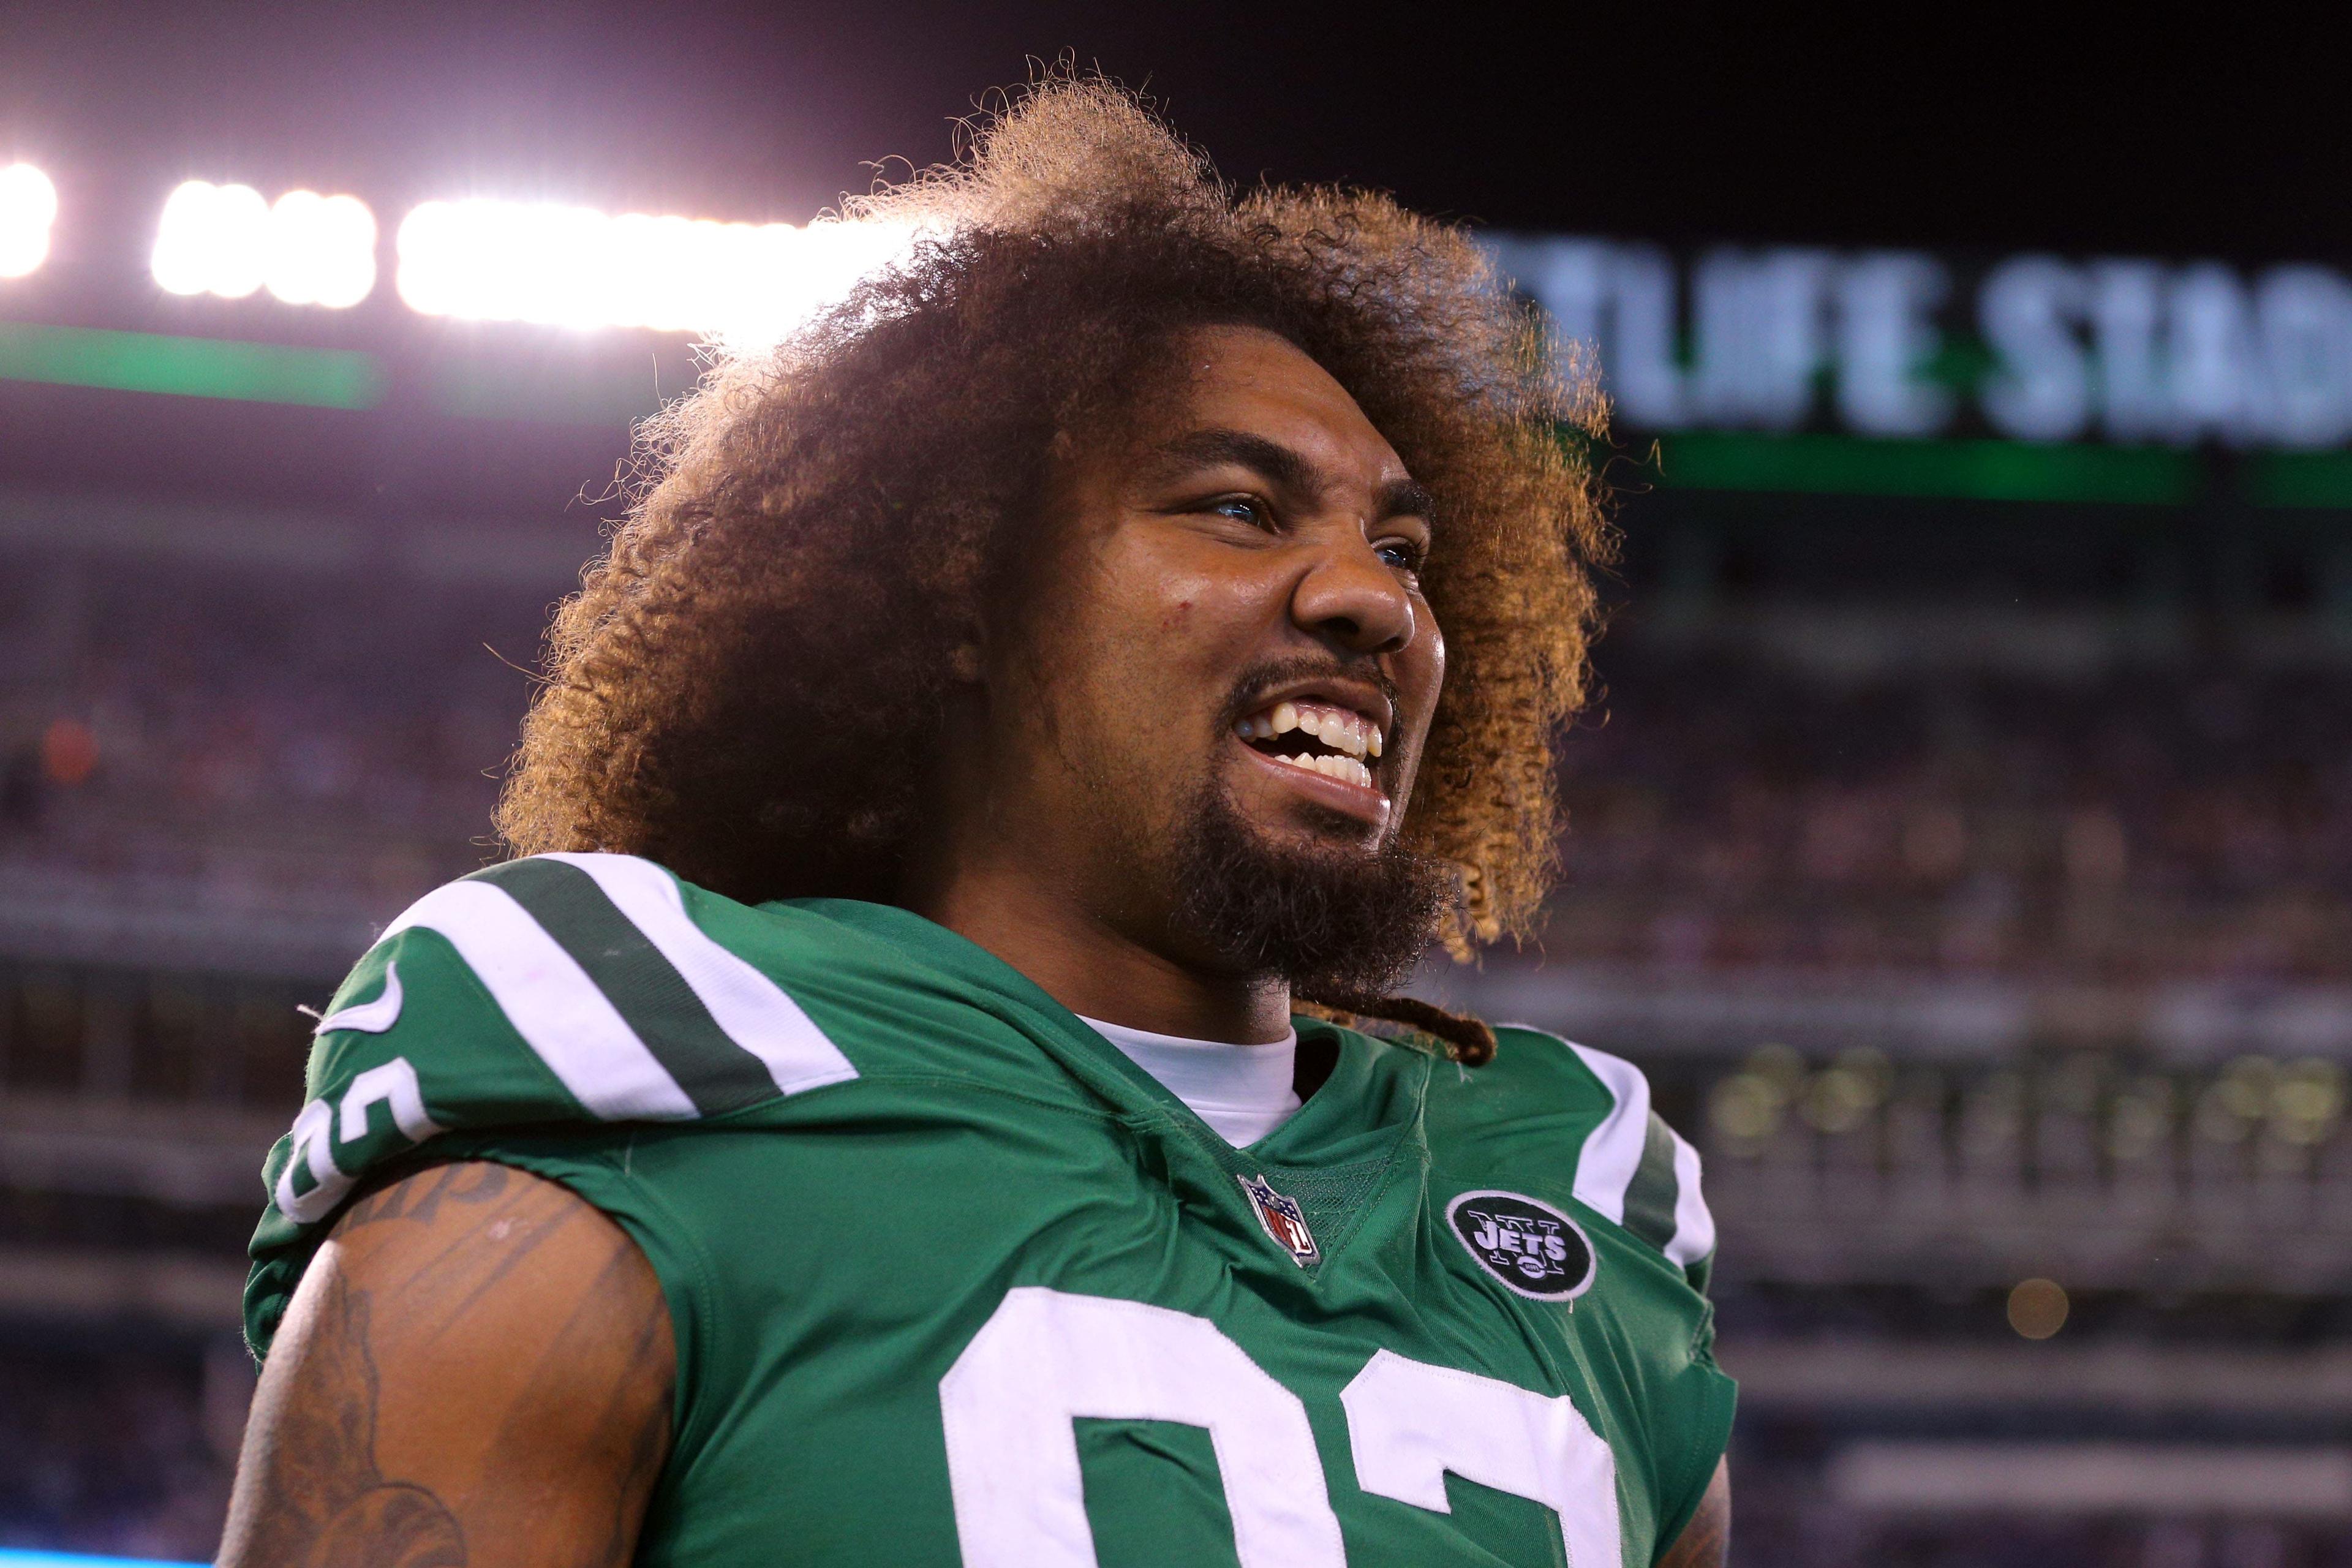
[926, 1089]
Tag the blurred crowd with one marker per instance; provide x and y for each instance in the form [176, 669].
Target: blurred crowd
[2173, 822]
[2124, 1174]
[1725, 810]
[114, 1453]
[239, 751]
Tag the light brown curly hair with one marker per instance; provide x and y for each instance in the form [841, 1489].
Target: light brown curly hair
[746, 686]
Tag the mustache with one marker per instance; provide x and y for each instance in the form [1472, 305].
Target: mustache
[1250, 689]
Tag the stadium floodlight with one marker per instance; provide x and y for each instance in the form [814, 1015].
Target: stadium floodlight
[305, 248]
[491, 260]
[211, 241]
[28, 205]
[322, 250]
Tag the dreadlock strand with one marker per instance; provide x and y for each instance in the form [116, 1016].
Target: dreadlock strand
[1459, 1037]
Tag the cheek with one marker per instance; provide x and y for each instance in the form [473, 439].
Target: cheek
[1193, 623]
[1146, 649]
[1422, 671]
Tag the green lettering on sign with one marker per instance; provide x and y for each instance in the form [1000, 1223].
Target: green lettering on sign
[1954, 470]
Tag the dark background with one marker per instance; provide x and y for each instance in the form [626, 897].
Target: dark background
[2079, 128]
[2072, 128]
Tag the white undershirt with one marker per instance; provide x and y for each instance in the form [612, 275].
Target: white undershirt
[1243, 1092]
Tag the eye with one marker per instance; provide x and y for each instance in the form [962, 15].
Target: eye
[1243, 509]
[1402, 554]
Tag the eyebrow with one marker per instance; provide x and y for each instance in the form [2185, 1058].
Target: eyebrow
[1287, 470]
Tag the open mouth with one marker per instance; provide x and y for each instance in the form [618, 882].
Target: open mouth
[1320, 737]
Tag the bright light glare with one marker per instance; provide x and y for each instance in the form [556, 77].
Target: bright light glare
[747, 283]
[322, 250]
[212, 240]
[306, 248]
[28, 205]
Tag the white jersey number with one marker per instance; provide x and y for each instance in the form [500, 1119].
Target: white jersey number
[1409, 1423]
[1044, 1359]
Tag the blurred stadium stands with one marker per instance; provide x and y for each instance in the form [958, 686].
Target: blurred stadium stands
[1974, 879]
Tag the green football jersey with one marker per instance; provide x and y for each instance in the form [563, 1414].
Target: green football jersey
[952, 1281]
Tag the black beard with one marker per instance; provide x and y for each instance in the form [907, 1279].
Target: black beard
[1333, 922]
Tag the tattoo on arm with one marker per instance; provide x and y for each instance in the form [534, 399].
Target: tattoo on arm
[327, 1501]
[367, 1450]
[418, 1197]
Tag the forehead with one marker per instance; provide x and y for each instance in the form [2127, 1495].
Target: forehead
[1251, 380]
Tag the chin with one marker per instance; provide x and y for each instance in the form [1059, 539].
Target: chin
[1321, 831]
[1324, 901]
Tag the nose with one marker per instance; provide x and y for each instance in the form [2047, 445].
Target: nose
[1352, 599]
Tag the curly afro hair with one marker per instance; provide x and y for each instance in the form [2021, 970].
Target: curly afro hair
[745, 687]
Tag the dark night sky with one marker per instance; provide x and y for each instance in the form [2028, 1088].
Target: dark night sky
[1660, 121]
[1677, 123]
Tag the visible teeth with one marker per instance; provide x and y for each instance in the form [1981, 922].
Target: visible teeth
[1347, 769]
[1343, 731]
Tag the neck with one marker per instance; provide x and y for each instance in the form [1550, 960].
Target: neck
[1084, 959]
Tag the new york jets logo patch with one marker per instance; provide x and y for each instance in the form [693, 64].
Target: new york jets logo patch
[1530, 1247]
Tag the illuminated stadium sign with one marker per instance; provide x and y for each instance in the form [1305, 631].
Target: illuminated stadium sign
[1902, 345]
[1889, 372]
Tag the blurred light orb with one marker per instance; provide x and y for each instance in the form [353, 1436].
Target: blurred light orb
[225, 241]
[210, 240]
[1745, 1106]
[28, 206]
[2038, 1308]
[321, 250]
[748, 285]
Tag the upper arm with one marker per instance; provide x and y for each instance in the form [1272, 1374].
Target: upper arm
[1706, 1540]
[477, 1369]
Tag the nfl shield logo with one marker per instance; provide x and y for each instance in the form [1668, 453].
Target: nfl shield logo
[1283, 1221]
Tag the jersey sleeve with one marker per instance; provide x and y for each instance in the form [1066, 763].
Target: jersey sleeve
[1635, 1170]
[1640, 1175]
[561, 991]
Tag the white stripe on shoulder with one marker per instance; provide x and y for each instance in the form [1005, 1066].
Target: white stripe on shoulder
[753, 1010]
[1613, 1152]
[551, 1002]
[1693, 1235]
